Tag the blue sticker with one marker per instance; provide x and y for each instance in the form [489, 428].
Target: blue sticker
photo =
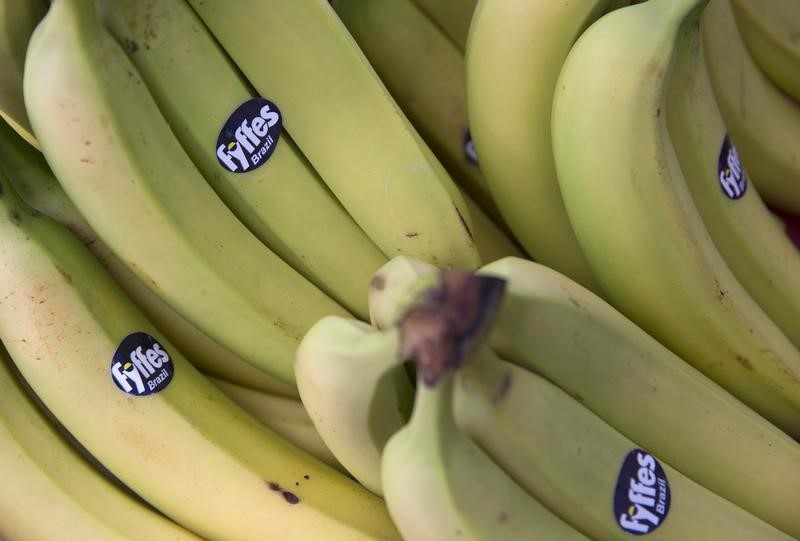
[249, 136]
[732, 177]
[642, 495]
[141, 365]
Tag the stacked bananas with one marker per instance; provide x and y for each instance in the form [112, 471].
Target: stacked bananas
[399, 269]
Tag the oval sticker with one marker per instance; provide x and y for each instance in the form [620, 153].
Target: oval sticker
[642, 495]
[249, 136]
[732, 177]
[141, 366]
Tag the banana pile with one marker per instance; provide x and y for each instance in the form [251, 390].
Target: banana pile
[432, 270]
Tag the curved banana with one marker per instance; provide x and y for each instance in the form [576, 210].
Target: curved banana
[438, 484]
[764, 123]
[114, 154]
[355, 392]
[284, 203]
[424, 71]
[345, 122]
[30, 176]
[452, 16]
[743, 229]
[285, 416]
[587, 473]
[514, 55]
[770, 29]
[50, 492]
[556, 328]
[146, 414]
[491, 240]
[635, 219]
[18, 18]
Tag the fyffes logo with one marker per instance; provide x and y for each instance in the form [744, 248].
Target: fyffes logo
[732, 177]
[141, 366]
[642, 495]
[249, 136]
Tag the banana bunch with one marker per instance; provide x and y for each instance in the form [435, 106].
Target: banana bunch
[399, 269]
[566, 441]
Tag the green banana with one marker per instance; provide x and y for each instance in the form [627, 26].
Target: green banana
[491, 239]
[89, 354]
[556, 328]
[285, 416]
[29, 174]
[18, 18]
[770, 29]
[452, 16]
[514, 54]
[355, 395]
[115, 156]
[637, 224]
[50, 492]
[284, 203]
[583, 470]
[764, 123]
[345, 122]
[438, 484]
[424, 71]
[743, 229]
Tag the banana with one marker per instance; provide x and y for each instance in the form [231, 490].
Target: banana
[50, 492]
[424, 71]
[438, 484]
[356, 396]
[514, 54]
[452, 16]
[90, 356]
[18, 18]
[587, 473]
[770, 29]
[635, 219]
[285, 416]
[30, 176]
[490, 238]
[343, 119]
[743, 229]
[558, 329]
[115, 156]
[284, 202]
[764, 123]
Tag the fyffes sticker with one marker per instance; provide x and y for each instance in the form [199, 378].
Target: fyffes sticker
[141, 366]
[642, 495]
[469, 149]
[732, 177]
[249, 136]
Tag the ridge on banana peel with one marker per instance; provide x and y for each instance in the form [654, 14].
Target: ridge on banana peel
[452, 16]
[50, 492]
[764, 122]
[283, 415]
[438, 484]
[770, 29]
[422, 69]
[185, 448]
[631, 209]
[29, 174]
[753, 243]
[118, 160]
[345, 122]
[284, 202]
[514, 53]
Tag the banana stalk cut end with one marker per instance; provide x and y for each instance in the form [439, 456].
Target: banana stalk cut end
[447, 322]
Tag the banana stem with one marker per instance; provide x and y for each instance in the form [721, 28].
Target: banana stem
[449, 320]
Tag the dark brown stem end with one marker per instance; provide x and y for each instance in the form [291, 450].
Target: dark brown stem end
[445, 325]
